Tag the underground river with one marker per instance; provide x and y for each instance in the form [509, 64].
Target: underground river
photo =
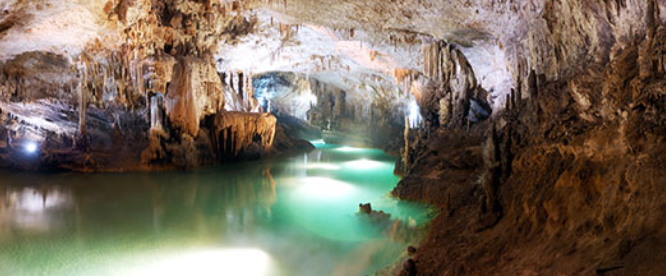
[281, 217]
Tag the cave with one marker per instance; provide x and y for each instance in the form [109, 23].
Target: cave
[338, 137]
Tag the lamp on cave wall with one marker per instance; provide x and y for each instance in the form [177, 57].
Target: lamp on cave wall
[30, 147]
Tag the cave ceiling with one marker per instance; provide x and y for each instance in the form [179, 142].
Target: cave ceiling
[353, 44]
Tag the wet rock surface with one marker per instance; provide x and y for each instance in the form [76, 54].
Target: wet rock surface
[566, 181]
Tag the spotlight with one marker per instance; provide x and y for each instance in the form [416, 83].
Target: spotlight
[30, 147]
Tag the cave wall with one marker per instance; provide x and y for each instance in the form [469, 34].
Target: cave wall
[545, 158]
[567, 178]
[154, 94]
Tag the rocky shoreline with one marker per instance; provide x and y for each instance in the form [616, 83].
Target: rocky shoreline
[564, 181]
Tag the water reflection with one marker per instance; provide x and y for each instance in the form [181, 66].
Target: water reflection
[300, 212]
[30, 209]
[211, 262]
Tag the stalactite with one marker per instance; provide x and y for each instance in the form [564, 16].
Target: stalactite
[236, 131]
[241, 90]
[193, 95]
[123, 77]
[231, 79]
[453, 87]
[251, 83]
[405, 157]
[223, 77]
[156, 111]
[82, 109]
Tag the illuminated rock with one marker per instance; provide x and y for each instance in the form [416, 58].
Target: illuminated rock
[234, 132]
[195, 92]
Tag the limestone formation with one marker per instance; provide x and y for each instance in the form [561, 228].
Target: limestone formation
[234, 132]
[566, 168]
[195, 92]
[452, 96]
[161, 67]
[536, 128]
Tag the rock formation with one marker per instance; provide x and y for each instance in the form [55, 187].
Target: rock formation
[156, 79]
[564, 179]
[536, 127]
[235, 132]
[452, 96]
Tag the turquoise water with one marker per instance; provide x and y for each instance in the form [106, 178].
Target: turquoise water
[283, 217]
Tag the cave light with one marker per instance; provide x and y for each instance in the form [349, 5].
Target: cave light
[30, 147]
[237, 261]
[363, 164]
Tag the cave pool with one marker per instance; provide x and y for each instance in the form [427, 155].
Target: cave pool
[280, 217]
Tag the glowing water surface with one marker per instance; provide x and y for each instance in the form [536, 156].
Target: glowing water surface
[291, 216]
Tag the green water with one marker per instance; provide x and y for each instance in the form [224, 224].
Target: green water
[283, 217]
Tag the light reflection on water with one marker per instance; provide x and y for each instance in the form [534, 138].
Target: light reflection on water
[294, 216]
